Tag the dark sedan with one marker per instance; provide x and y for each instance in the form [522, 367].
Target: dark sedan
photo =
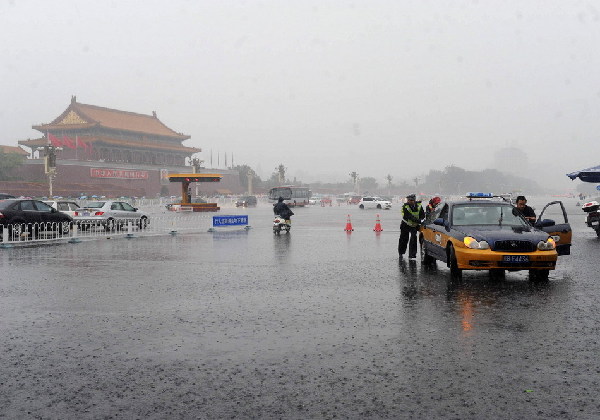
[248, 201]
[24, 216]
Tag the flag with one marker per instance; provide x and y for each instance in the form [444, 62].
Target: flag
[68, 142]
[80, 143]
[56, 142]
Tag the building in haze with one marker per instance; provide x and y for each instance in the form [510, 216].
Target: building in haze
[511, 160]
[105, 151]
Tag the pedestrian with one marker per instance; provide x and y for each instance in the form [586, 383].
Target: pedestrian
[412, 216]
[431, 206]
[526, 211]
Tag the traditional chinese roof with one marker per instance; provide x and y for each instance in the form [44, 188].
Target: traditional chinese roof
[97, 141]
[13, 149]
[80, 116]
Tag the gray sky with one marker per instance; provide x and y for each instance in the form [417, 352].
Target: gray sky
[324, 87]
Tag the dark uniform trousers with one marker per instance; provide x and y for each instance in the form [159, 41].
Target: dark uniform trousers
[405, 232]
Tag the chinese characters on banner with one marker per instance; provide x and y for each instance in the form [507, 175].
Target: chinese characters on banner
[230, 220]
[118, 173]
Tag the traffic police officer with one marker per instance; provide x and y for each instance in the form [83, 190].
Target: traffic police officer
[412, 217]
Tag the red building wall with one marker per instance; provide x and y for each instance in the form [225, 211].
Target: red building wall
[97, 178]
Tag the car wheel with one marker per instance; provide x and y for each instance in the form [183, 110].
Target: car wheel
[379, 206]
[426, 259]
[455, 272]
[539, 275]
[16, 230]
[143, 223]
[65, 228]
[110, 225]
[361, 206]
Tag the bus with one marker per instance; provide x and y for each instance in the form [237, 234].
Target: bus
[292, 196]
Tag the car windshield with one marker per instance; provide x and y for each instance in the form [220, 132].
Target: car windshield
[95, 204]
[490, 214]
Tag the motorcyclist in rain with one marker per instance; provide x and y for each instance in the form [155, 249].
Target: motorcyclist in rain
[283, 210]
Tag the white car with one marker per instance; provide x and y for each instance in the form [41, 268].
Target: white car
[374, 203]
[110, 215]
[67, 207]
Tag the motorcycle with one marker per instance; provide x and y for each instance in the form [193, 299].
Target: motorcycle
[280, 224]
[593, 216]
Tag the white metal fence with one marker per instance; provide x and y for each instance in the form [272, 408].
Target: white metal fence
[27, 233]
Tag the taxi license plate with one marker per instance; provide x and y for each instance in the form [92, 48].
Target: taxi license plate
[515, 259]
[86, 213]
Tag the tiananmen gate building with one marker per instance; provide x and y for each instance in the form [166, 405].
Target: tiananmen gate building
[114, 153]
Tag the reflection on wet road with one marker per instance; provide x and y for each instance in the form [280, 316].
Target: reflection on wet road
[315, 324]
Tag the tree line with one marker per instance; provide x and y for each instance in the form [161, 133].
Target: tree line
[452, 180]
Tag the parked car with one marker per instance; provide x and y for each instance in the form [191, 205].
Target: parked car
[4, 196]
[24, 215]
[110, 215]
[67, 207]
[248, 201]
[374, 203]
[354, 199]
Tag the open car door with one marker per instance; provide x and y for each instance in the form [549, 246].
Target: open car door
[560, 228]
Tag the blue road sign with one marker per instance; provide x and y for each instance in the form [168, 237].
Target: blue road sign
[234, 220]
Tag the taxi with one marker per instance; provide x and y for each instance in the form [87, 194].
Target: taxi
[486, 232]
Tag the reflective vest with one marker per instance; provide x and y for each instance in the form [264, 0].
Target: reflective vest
[415, 213]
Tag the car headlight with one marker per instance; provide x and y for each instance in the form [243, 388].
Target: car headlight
[548, 245]
[472, 243]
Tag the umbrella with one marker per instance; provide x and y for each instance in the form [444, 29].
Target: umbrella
[587, 175]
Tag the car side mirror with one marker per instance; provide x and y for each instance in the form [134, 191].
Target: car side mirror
[53, 210]
[545, 223]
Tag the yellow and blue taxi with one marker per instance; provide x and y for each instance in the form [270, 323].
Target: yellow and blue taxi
[486, 232]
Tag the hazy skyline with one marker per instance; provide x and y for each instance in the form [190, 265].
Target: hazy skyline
[324, 87]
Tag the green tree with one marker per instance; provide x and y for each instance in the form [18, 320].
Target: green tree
[243, 171]
[8, 162]
[368, 185]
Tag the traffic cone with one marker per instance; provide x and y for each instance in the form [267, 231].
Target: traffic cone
[378, 227]
[348, 225]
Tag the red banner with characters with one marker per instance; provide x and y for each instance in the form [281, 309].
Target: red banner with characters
[118, 173]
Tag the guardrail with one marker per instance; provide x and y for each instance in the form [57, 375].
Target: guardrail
[29, 233]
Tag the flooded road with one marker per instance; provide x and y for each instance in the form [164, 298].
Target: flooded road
[315, 324]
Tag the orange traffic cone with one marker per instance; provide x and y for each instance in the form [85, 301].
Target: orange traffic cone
[378, 227]
[348, 225]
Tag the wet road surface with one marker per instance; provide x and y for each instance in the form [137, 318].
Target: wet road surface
[314, 324]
